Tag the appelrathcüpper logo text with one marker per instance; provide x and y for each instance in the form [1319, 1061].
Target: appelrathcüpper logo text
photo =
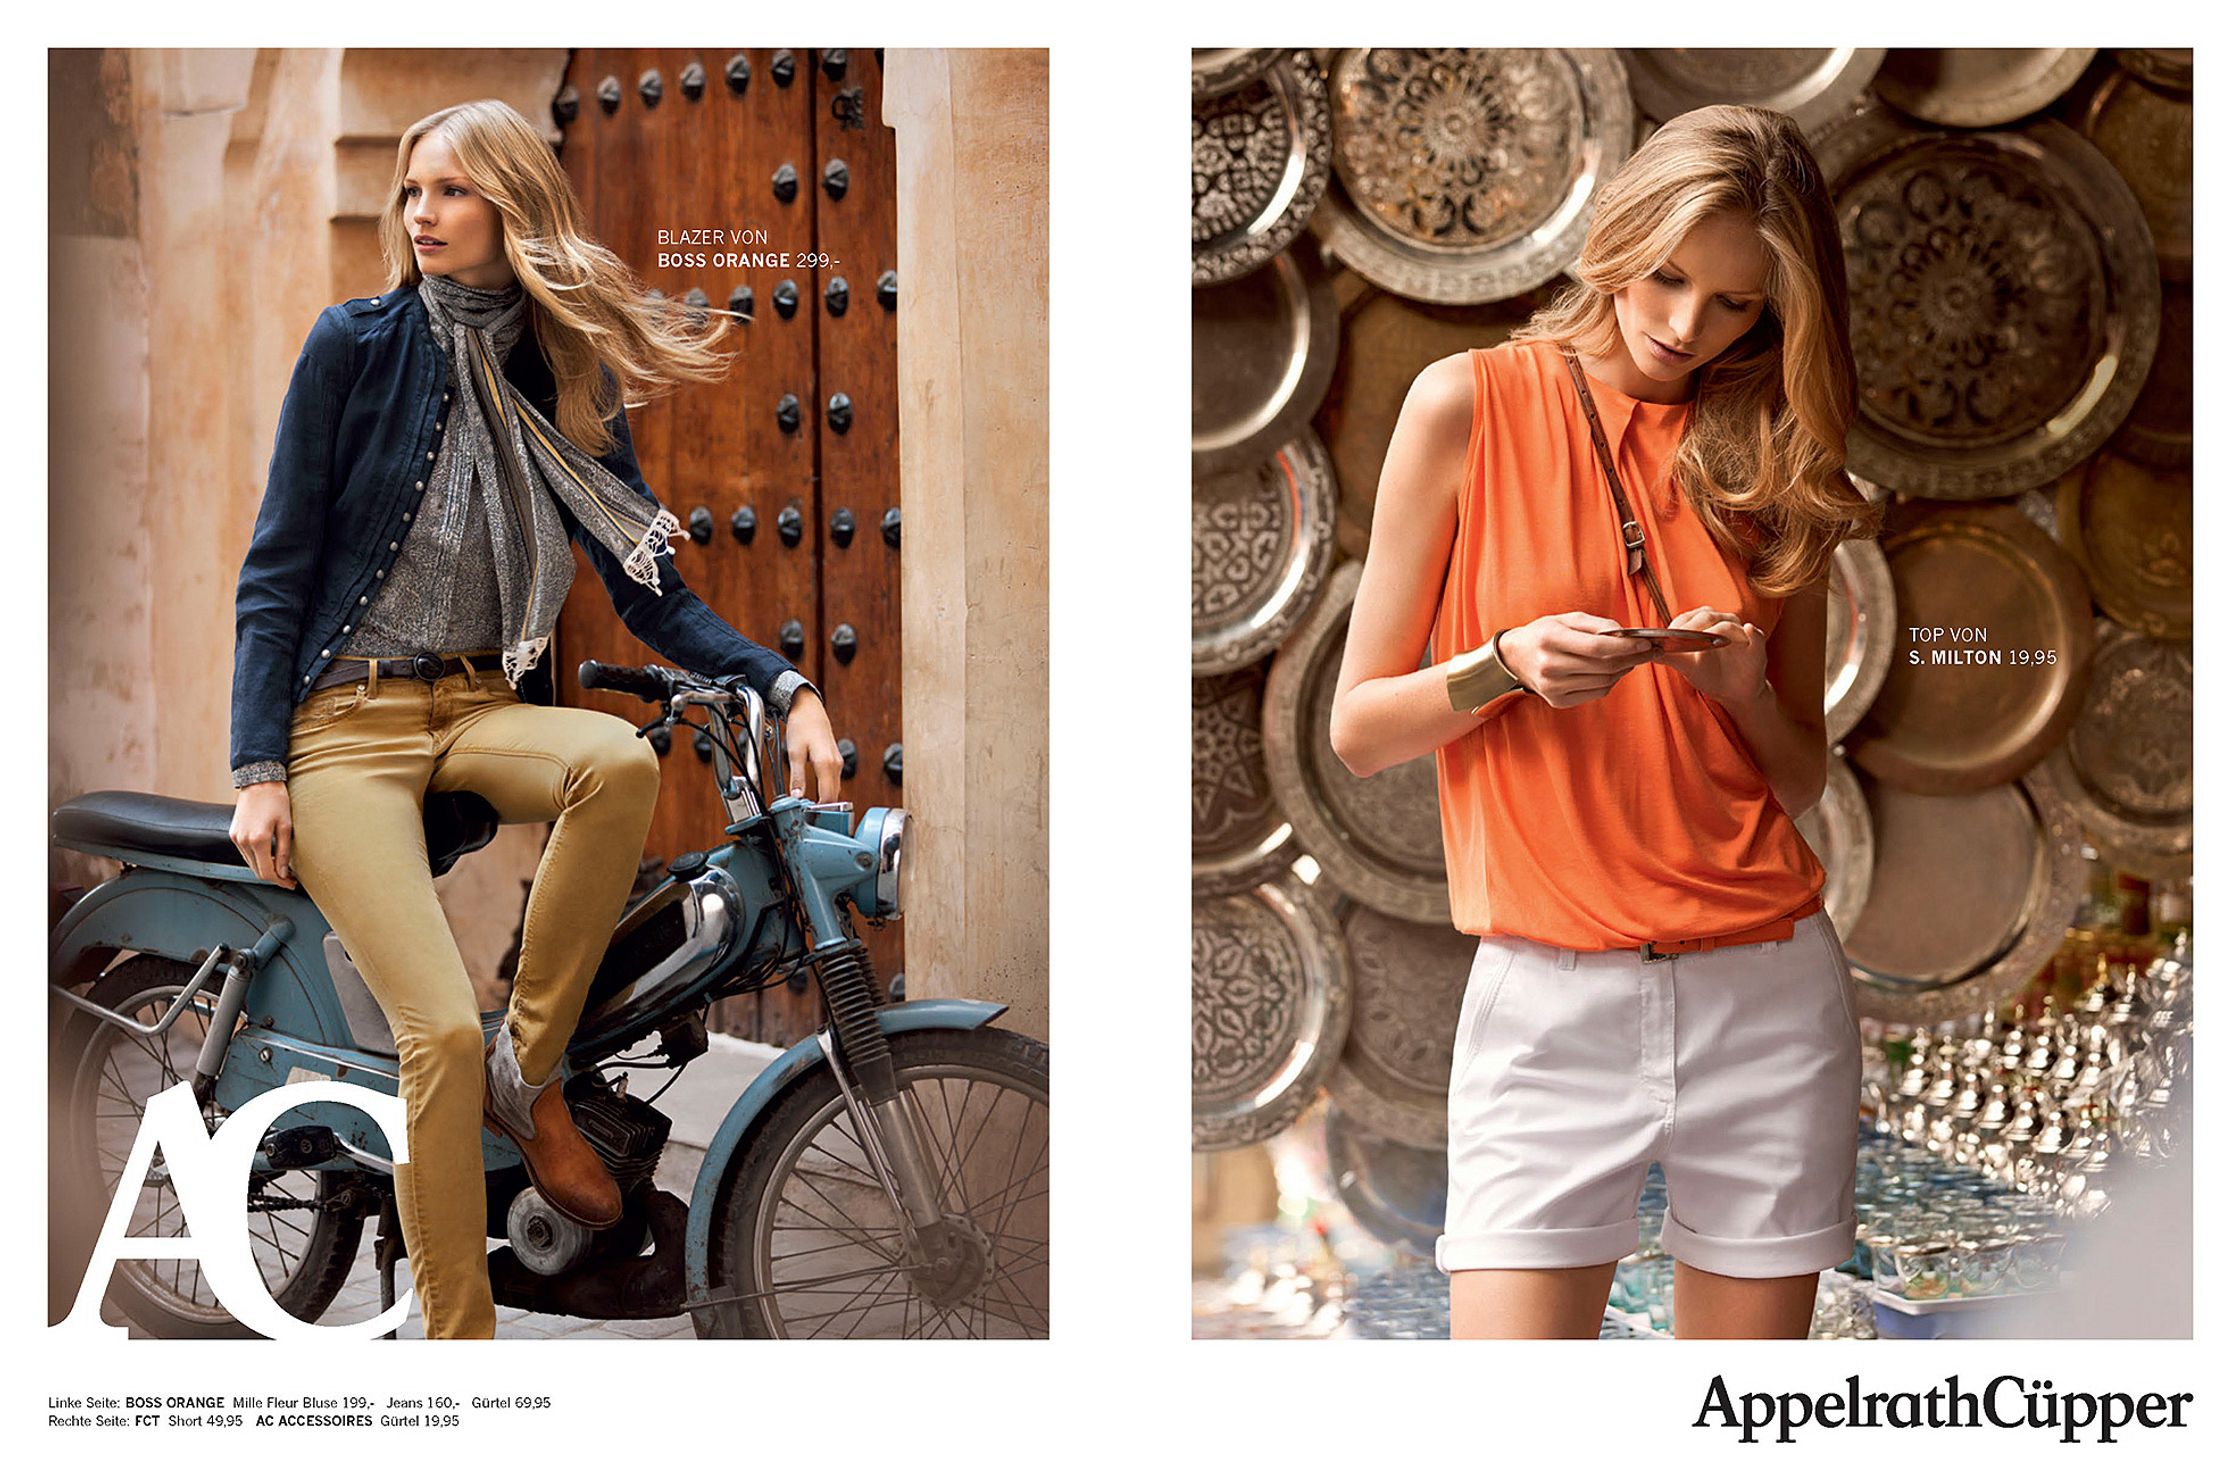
[2007, 1401]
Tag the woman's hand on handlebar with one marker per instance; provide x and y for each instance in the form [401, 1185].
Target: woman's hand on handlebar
[1568, 660]
[810, 749]
[264, 832]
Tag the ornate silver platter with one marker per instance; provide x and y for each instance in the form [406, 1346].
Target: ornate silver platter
[1397, 1193]
[1996, 628]
[1377, 839]
[1259, 161]
[1219, 68]
[1261, 351]
[2004, 301]
[1271, 994]
[1237, 836]
[1812, 84]
[1981, 86]
[1862, 631]
[2127, 764]
[2131, 528]
[2147, 134]
[1971, 896]
[1408, 980]
[1841, 833]
[1260, 541]
[1467, 175]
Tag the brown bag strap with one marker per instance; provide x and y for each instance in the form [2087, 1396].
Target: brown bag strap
[1637, 557]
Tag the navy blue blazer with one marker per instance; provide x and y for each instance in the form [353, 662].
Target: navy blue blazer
[358, 434]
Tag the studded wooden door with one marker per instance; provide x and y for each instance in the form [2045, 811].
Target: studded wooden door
[761, 181]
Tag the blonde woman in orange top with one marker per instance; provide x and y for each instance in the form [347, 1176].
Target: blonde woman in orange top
[1656, 980]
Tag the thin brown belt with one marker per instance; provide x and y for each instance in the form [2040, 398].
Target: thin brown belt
[426, 667]
[1779, 928]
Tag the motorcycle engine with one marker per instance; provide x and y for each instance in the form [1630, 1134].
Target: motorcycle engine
[628, 1137]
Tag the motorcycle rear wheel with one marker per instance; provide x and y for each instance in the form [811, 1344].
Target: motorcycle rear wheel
[805, 1233]
[102, 1079]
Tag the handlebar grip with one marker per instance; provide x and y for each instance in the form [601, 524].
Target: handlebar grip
[650, 683]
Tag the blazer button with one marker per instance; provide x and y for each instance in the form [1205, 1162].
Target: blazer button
[345, 630]
[326, 653]
[377, 302]
[379, 573]
[361, 599]
[392, 546]
[408, 517]
[431, 456]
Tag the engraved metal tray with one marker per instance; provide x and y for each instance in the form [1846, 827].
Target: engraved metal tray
[2127, 764]
[1237, 836]
[1408, 980]
[1467, 175]
[1261, 351]
[1978, 86]
[1949, 718]
[1259, 162]
[1271, 995]
[2131, 528]
[1972, 895]
[1397, 1193]
[2159, 430]
[1378, 839]
[2147, 134]
[1260, 545]
[1219, 68]
[1841, 833]
[1862, 632]
[1812, 84]
[2004, 301]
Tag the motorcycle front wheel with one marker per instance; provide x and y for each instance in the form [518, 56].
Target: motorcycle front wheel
[102, 1079]
[808, 1245]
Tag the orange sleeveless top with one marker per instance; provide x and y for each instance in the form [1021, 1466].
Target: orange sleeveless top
[1638, 816]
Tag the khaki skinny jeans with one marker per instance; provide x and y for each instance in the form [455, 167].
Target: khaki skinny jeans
[360, 760]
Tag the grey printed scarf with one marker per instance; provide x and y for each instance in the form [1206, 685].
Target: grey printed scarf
[528, 472]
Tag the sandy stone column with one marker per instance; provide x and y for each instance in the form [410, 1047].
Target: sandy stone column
[972, 212]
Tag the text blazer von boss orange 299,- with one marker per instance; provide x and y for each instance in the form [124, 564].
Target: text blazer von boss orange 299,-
[359, 429]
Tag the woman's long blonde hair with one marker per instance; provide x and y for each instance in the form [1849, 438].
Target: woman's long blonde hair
[1762, 460]
[586, 308]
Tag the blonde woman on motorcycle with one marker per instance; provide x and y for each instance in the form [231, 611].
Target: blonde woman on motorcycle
[442, 445]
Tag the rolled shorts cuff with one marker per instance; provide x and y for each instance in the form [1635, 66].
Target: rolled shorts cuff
[1760, 1256]
[1588, 1246]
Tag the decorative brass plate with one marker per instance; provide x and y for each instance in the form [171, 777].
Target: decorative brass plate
[1218, 68]
[1261, 351]
[1971, 896]
[2131, 528]
[1981, 86]
[1841, 833]
[2147, 134]
[2164, 66]
[1270, 997]
[2004, 301]
[2159, 431]
[1994, 646]
[1408, 980]
[1237, 836]
[1466, 175]
[1397, 1193]
[1377, 839]
[1260, 540]
[1259, 161]
[1389, 340]
[1862, 631]
[1812, 84]
[2127, 765]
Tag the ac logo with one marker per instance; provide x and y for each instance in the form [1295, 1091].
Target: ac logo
[210, 1175]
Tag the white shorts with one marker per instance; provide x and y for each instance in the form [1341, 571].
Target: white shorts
[1737, 1068]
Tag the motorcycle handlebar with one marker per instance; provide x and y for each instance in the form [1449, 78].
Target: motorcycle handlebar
[651, 683]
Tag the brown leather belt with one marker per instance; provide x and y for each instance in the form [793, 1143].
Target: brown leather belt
[1779, 928]
[425, 667]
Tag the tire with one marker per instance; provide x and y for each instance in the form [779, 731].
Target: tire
[100, 1084]
[802, 1200]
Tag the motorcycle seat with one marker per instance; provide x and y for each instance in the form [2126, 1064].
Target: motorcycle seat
[106, 821]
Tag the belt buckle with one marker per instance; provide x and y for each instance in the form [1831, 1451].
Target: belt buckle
[1650, 955]
[427, 666]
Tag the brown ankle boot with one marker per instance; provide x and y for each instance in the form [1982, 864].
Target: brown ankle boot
[561, 1163]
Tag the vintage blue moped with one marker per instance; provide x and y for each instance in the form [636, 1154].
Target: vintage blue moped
[886, 1177]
